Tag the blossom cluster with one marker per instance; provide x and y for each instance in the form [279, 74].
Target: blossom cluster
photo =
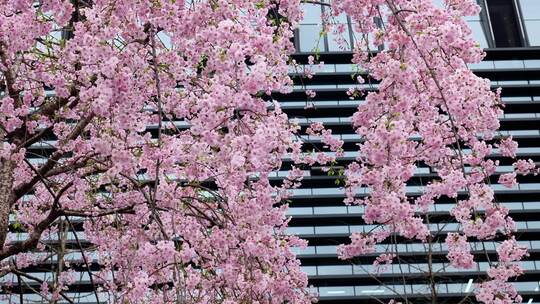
[164, 134]
[429, 110]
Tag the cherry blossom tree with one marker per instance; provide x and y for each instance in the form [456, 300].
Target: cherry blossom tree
[429, 109]
[163, 137]
[150, 126]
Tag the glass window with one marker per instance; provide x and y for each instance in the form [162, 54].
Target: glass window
[416, 247]
[336, 291]
[478, 33]
[528, 265]
[325, 119]
[417, 268]
[165, 39]
[513, 82]
[331, 229]
[531, 186]
[517, 116]
[320, 86]
[330, 210]
[532, 63]
[444, 207]
[307, 250]
[326, 249]
[310, 33]
[309, 270]
[483, 266]
[312, 14]
[482, 65]
[532, 27]
[339, 41]
[339, 37]
[330, 104]
[516, 98]
[526, 286]
[300, 211]
[356, 209]
[311, 38]
[357, 228]
[451, 227]
[530, 11]
[509, 64]
[362, 269]
[523, 132]
[455, 288]
[335, 270]
[342, 18]
[513, 206]
[489, 246]
[535, 245]
[326, 68]
[371, 290]
[346, 67]
[300, 230]
[328, 191]
[505, 28]
[532, 205]
[301, 191]
[422, 171]
[363, 38]
[420, 289]
[521, 225]
[533, 225]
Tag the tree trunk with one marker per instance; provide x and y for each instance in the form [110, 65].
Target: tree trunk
[6, 194]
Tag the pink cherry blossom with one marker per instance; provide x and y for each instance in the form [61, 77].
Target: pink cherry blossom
[508, 147]
[164, 134]
[508, 180]
[459, 251]
[525, 167]
[168, 204]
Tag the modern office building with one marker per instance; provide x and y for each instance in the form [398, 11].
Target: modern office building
[510, 32]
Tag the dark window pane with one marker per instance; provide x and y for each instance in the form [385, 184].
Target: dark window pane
[504, 23]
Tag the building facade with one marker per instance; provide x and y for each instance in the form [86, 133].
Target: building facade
[509, 30]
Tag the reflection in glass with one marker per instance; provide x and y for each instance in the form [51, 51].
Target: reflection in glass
[311, 38]
[339, 41]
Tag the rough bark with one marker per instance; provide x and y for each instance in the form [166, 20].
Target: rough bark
[6, 194]
[7, 166]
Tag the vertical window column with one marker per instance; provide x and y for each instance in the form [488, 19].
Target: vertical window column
[505, 23]
[309, 32]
